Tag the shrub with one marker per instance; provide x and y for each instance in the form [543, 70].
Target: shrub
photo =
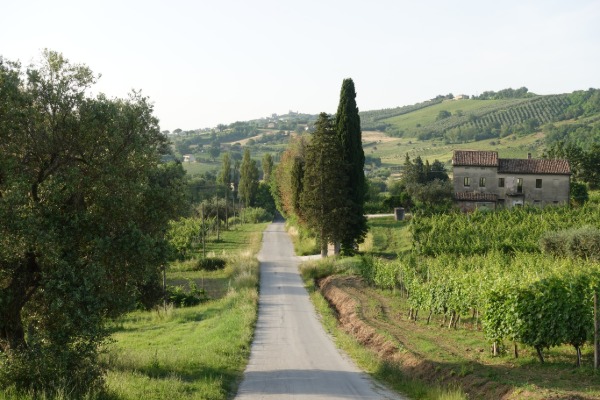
[255, 215]
[210, 264]
[579, 243]
[179, 297]
[48, 371]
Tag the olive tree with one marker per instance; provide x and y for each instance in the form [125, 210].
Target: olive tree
[84, 206]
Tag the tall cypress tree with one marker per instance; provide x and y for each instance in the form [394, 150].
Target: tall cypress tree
[324, 200]
[347, 124]
[248, 179]
[224, 177]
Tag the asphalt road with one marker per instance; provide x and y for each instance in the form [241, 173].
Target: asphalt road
[292, 357]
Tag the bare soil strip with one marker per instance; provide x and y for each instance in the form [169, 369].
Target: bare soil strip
[377, 324]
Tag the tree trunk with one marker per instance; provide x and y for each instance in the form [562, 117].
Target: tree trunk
[516, 350]
[416, 315]
[429, 317]
[22, 285]
[451, 319]
[455, 325]
[495, 348]
[540, 354]
[578, 350]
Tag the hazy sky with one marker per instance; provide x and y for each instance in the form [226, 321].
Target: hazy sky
[220, 61]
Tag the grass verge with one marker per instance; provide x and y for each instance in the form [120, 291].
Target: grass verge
[366, 359]
[197, 352]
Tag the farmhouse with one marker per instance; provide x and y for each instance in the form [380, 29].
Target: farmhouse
[189, 158]
[482, 180]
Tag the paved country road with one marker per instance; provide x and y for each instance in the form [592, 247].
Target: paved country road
[292, 357]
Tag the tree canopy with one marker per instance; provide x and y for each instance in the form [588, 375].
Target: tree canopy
[84, 206]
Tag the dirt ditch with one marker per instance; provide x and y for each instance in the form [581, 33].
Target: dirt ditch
[365, 315]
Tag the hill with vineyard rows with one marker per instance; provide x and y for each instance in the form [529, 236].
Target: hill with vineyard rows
[512, 122]
[459, 119]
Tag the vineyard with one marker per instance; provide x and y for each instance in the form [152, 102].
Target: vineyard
[542, 109]
[370, 120]
[489, 269]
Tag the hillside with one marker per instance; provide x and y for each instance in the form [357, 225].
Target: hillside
[512, 122]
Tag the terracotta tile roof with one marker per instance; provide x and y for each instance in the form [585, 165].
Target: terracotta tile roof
[480, 158]
[531, 166]
[475, 158]
[472, 196]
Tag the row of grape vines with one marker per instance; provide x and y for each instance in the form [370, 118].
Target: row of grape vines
[542, 109]
[508, 230]
[524, 298]
[488, 266]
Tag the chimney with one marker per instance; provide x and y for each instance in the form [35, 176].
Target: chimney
[529, 156]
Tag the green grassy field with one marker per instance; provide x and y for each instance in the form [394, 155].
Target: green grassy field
[425, 116]
[196, 352]
[393, 151]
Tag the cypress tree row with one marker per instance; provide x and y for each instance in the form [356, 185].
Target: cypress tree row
[347, 123]
[324, 199]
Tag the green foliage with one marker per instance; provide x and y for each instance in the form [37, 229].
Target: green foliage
[347, 124]
[427, 185]
[264, 198]
[255, 215]
[224, 177]
[186, 297]
[248, 180]
[184, 235]
[576, 243]
[584, 161]
[579, 193]
[507, 231]
[214, 150]
[84, 205]
[490, 265]
[267, 166]
[509, 93]
[443, 114]
[324, 199]
[210, 264]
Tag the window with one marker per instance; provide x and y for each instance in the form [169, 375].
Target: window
[538, 183]
[481, 182]
[519, 185]
[467, 181]
[500, 182]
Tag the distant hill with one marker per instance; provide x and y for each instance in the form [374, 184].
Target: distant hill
[489, 115]
[512, 121]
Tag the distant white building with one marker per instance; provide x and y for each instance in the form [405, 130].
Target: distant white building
[189, 158]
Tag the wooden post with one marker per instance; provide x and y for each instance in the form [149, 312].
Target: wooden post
[596, 332]
[165, 288]
[218, 219]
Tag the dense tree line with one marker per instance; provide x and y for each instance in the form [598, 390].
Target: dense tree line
[509, 93]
